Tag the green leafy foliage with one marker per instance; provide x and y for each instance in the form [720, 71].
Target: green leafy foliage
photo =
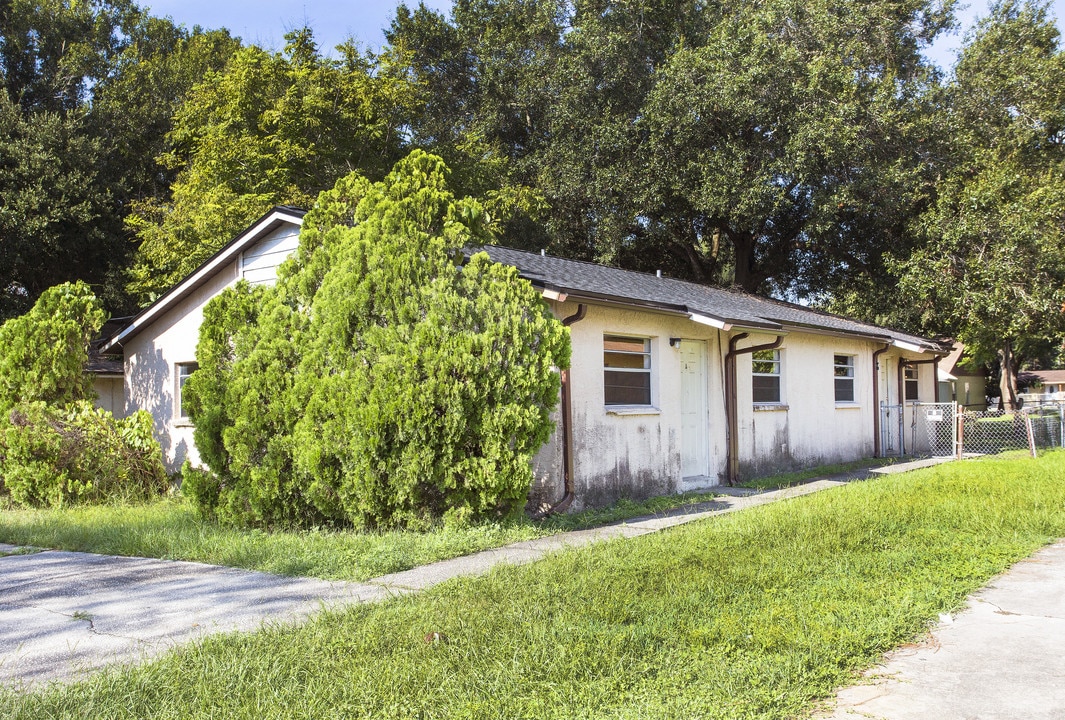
[55, 447]
[382, 382]
[77, 453]
[87, 93]
[778, 146]
[991, 269]
[43, 353]
[268, 129]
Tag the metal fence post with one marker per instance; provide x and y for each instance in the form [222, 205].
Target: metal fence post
[959, 433]
[1031, 433]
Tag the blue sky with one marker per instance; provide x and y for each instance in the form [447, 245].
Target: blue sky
[265, 22]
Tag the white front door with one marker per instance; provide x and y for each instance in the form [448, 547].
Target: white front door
[694, 420]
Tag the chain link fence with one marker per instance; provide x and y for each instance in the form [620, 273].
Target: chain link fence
[945, 429]
[995, 431]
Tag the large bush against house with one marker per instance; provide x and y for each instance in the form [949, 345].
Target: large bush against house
[55, 447]
[383, 381]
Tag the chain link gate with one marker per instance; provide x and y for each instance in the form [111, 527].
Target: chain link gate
[919, 429]
[934, 429]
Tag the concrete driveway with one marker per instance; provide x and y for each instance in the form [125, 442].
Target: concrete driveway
[63, 614]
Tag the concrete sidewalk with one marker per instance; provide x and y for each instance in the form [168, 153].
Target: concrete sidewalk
[65, 614]
[1002, 658]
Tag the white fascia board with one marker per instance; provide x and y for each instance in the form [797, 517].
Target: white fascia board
[903, 345]
[711, 321]
[209, 268]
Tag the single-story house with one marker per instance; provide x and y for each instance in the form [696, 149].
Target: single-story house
[1043, 386]
[673, 385]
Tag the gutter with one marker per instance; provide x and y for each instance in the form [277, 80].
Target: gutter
[876, 398]
[567, 431]
[731, 412]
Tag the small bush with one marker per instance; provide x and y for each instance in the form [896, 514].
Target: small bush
[78, 453]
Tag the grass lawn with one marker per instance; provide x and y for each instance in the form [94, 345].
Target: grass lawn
[171, 529]
[756, 614]
[788, 479]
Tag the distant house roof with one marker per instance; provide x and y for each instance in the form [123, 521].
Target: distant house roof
[99, 364]
[270, 221]
[1045, 377]
[718, 307]
[954, 365]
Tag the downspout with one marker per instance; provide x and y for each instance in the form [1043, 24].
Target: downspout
[567, 431]
[876, 398]
[731, 412]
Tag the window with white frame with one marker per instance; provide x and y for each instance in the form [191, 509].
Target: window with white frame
[843, 372]
[911, 376]
[626, 370]
[765, 377]
[183, 373]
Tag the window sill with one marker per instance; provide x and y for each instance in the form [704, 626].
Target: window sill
[183, 422]
[632, 410]
[777, 407]
[848, 406]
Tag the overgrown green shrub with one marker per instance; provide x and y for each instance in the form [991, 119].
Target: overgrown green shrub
[55, 447]
[382, 382]
[43, 353]
[77, 453]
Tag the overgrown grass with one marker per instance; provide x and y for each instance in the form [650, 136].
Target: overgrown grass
[750, 615]
[172, 529]
[782, 480]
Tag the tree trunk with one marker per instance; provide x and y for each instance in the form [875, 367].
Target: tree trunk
[743, 252]
[1007, 382]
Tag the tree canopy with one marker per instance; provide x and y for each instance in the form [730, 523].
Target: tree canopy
[89, 90]
[992, 267]
[267, 129]
[778, 146]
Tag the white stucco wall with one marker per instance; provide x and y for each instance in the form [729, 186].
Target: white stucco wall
[151, 358]
[637, 452]
[633, 452]
[808, 427]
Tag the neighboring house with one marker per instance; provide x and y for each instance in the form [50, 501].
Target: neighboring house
[672, 386]
[1043, 385]
[961, 381]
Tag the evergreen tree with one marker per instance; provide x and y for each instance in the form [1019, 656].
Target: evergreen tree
[382, 382]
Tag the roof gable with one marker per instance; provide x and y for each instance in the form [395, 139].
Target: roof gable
[262, 227]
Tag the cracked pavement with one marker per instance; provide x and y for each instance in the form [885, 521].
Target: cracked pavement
[1000, 658]
[63, 614]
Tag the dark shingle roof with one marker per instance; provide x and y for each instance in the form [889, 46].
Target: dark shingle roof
[730, 306]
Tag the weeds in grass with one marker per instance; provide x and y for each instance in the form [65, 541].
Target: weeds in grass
[750, 615]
